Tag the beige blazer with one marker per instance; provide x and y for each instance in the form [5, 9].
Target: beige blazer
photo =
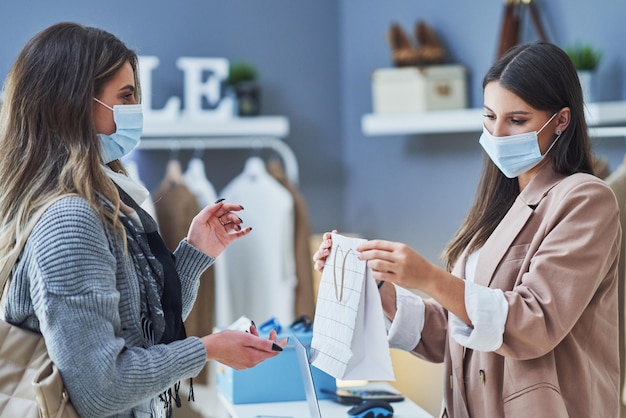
[617, 182]
[555, 256]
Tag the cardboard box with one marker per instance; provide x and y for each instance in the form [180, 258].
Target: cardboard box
[419, 89]
[274, 380]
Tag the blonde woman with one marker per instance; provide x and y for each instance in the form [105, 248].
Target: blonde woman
[95, 278]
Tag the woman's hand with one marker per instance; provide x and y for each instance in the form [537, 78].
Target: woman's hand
[397, 263]
[215, 227]
[242, 350]
[319, 257]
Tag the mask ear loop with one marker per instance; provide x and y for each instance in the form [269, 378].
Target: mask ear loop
[103, 104]
[546, 124]
[558, 135]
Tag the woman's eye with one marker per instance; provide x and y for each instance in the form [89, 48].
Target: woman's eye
[490, 117]
[518, 121]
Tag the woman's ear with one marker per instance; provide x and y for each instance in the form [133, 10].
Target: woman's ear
[562, 120]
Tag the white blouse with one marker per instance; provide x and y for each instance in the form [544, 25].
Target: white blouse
[487, 309]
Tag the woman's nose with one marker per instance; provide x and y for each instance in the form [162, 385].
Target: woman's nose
[498, 129]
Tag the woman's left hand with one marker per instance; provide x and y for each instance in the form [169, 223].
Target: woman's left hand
[400, 264]
[242, 350]
[397, 263]
[215, 227]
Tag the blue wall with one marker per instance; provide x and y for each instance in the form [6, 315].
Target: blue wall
[315, 59]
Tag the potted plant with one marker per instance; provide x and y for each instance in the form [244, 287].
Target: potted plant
[586, 59]
[243, 80]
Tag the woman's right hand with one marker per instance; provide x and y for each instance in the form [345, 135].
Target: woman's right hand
[215, 227]
[319, 257]
[242, 350]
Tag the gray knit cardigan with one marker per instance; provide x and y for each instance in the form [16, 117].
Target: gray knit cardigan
[75, 285]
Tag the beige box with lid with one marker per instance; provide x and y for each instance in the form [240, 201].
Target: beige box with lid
[419, 89]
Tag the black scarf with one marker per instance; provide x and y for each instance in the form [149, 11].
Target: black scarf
[161, 322]
[162, 267]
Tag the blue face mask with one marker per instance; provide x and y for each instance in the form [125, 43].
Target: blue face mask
[514, 154]
[129, 125]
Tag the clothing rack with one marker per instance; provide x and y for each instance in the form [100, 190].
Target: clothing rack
[248, 142]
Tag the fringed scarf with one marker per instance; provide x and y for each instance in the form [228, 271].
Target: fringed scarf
[161, 301]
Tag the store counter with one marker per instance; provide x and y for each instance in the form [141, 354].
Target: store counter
[329, 409]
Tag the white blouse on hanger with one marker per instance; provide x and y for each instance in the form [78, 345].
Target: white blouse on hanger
[261, 266]
[196, 180]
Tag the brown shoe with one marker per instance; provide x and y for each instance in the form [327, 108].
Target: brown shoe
[430, 49]
[402, 51]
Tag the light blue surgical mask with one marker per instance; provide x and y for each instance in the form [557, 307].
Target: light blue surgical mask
[515, 154]
[129, 125]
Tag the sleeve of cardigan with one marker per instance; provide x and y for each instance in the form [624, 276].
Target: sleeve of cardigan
[190, 264]
[74, 294]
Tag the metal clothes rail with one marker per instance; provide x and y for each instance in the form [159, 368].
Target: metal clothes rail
[248, 142]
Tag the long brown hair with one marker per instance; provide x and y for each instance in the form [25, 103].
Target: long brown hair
[543, 76]
[47, 133]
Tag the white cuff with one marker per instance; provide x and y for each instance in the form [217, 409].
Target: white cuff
[487, 309]
[405, 331]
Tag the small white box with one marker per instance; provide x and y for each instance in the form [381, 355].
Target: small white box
[419, 89]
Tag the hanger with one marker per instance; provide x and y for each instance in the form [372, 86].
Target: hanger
[174, 172]
[254, 167]
[195, 168]
[174, 149]
[198, 152]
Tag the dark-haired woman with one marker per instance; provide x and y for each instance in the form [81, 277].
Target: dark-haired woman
[524, 317]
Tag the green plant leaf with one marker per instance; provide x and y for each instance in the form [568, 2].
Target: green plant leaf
[584, 56]
[241, 71]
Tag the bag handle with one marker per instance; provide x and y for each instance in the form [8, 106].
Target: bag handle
[11, 257]
[511, 23]
[534, 16]
[509, 31]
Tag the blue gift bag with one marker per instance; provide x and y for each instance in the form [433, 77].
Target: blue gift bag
[277, 379]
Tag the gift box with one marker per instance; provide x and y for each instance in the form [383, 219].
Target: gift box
[277, 379]
[419, 89]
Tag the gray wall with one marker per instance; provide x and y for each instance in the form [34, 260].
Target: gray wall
[315, 60]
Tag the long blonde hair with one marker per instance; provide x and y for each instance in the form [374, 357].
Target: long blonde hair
[48, 138]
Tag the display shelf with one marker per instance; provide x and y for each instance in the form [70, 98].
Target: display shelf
[263, 126]
[232, 133]
[600, 114]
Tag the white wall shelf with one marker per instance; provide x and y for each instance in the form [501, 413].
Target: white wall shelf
[601, 116]
[264, 126]
[233, 133]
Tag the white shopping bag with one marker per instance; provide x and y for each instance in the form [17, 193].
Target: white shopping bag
[349, 336]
